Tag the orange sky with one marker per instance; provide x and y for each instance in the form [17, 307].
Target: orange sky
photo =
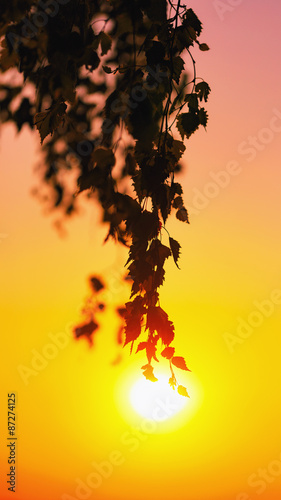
[73, 411]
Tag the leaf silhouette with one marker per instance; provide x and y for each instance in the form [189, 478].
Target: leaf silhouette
[47, 121]
[96, 284]
[172, 381]
[182, 391]
[182, 215]
[133, 318]
[168, 352]
[175, 248]
[106, 42]
[203, 47]
[151, 351]
[148, 373]
[121, 311]
[179, 362]
[87, 330]
[187, 123]
[178, 65]
[157, 320]
[203, 90]
[203, 117]
[141, 346]
[107, 69]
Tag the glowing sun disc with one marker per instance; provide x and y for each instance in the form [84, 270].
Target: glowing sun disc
[156, 400]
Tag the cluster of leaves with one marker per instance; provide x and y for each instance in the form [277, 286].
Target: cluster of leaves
[95, 304]
[109, 84]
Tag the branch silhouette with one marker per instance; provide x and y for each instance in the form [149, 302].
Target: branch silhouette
[109, 84]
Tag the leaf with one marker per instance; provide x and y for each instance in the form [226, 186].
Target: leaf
[151, 350]
[162, 200]
[175, 248]
[177, 66]
[96, 284]
[67, 88]
[168, 352]
[121, 311]
[204, 47]
[192, 100]
[7, 59]
[184, 36]
[92, 60]
[130, 164]
[203, 117]
[172, 382]
[23, 114]
[148, 373]
[107, 69]
[105, 42]
[187, 123]
[178, 202]
[133, 318]
[179, 362]
[159, 252]
[156, 11]
[90, 179]
[182, 391]
[155, 54]
[203, 90]
[103, 157]
[175, 189]
[176, 149]
[47, 121]
[86, 330]
[141, 346]
[190, 19]
[157, 320]
[182, 215]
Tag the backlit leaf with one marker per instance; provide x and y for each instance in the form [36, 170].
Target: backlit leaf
[148, 373]
[133, 318]
[179, 362]
[168, 352]
[182, 391]
[141, 346]
[172, 382]
[157, 320]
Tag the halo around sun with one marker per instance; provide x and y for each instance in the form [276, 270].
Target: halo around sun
[155, 407]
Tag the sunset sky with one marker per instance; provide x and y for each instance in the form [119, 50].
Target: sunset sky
[74, 412]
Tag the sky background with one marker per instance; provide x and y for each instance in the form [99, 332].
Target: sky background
[74, 409]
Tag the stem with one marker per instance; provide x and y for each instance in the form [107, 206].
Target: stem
[168, 102]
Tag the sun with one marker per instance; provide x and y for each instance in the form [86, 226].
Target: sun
[156, 400]
[154, 407]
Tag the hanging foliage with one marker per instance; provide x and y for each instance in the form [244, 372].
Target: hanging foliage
[112, 103]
